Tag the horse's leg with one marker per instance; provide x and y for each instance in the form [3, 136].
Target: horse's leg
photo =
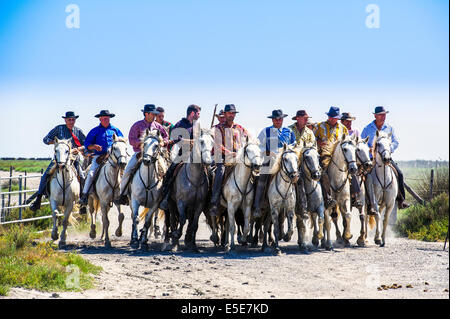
[143, 239]
[266, 224]
[378, 223]
[326, 240]
[314, 218]
[387, 213]
[105, 220]
[336, 226]
[134, 205]
[194, 228]
[93, 215]
[347, 217]
[247, 217]
[166, 244]
[301, 228]
[182, 220]
[55, 212]
[281, 219]
[121, 217]
[67, 212]
[276, 228]
[290, 218]
[363, 231]
[231, 227]
[157, 231]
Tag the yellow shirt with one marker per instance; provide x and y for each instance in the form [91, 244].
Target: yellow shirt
[326, 133]
[305, 134]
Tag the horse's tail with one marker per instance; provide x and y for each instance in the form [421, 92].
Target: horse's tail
[372, 222]
[143, 214]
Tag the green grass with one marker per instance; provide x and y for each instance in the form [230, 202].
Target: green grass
[30, 166]
[427, 222]
[27, 263]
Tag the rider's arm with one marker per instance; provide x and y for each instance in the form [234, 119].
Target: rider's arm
[50, 137]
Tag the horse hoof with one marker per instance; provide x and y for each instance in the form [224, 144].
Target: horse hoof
[108, 244]
[93, 234]
[382, 244]
[287, 238]
[378, 241]
[55, 235]
[61, 244]
[361, 243]
[119, 233]
[214, 238]
[277, 251]
[144, 247]
[134, 244]
[244, 244]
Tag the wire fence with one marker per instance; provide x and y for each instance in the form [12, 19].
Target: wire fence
[16, 199]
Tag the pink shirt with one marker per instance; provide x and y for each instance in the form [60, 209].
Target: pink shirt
[138, 128]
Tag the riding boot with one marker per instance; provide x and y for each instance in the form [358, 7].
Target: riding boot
[326, 191]
[401, 187]
[88, 182]
[42, 185]
[302, 200]
[217, 190]
[166, 186]
[372, 206]
[259, 195]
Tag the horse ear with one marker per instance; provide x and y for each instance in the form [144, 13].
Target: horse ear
[114, 137]
[284, 146]
[159, 133]
[56, 140]
[246, 139]
[366, 139]
[344, 136]
[378, 133]
[147, 131]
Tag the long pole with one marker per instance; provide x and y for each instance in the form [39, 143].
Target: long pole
[214, 116]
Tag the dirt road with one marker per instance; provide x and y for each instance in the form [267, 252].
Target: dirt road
[420, 268]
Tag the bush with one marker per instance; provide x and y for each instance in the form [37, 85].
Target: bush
[427, 222]
[440, 183]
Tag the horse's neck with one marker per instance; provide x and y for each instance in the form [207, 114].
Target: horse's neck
[65, 174]
[309, 182]
[337, 165]
[283, 179]
[384, 172]
[241, 173]
[111, 171]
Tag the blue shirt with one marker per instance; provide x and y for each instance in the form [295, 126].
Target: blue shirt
[371, 131]
[272, 139]
[102, 136]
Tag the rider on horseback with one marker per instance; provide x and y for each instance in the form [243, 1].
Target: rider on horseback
[327, 132]
[98, 140]
[271, 140]
[229, 137]
[64, 131]
[134, 137]
[186, 123]
[379, 125]
[302, 133]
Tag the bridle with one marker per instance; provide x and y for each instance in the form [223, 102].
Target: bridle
[286, 172]
[310, 171]
[341, 187]
[153, 159]
[63, 186]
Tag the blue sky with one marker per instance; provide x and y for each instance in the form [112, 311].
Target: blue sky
[259, 55]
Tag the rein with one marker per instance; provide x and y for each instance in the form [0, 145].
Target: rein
[66, 165]
[340, 188]
[280, 172]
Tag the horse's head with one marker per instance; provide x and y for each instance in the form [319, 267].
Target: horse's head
[118, 151]
[151, 146]
[363, 153]
[289, 162]
[206, 145]
[252, 156]
[311, 161]
[63, 152]
[348, 147]
[382, 143]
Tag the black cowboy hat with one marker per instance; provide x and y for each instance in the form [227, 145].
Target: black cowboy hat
[230, 108]
[380, 110]
[150, 108]
[221, 113]
[105, 113]
[347, 116]
[276, 114]
[300, 113]
[70, 115]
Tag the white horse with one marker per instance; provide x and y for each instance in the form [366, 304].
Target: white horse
[146, 185]
[107, 188]
[342, 164]
[64, 187]
[384, 182]
[238, 190]
[282, 195]
[311, 172]
[364, 163]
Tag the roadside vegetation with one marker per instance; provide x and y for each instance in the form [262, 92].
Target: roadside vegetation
[30, 166]
[28, 261]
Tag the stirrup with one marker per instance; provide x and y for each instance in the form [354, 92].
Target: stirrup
[36, 205]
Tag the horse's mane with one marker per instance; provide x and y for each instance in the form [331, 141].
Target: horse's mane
[381, 134]
[277, 163]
